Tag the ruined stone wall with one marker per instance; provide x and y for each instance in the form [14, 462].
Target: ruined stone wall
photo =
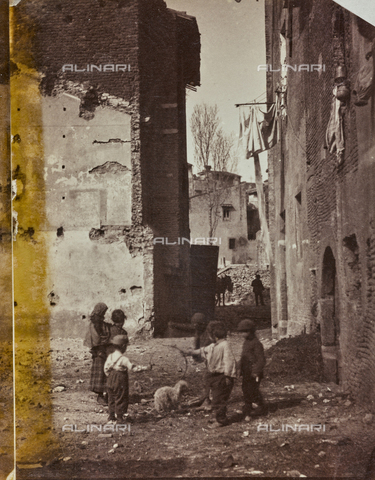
[163, 149]
[112, 167]
[329, 203]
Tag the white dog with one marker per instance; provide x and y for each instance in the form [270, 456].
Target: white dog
[167, 398]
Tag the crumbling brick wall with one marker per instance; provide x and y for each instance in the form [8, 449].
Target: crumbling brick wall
[149, 39]
[326, 201]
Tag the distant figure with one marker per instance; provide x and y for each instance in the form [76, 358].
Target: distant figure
[258, 290]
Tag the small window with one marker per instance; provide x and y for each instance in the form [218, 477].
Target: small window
[226, 213]
[232, 243]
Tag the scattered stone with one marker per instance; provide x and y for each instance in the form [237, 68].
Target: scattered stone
[59, 388]
[369, 418]
[326, 400]
[79, 381]
[317, 466]
[84, 442]
[105, 435]
[111, 451]
[115, 445]
[245, 434]
[320, 395]
[229, 462]
[293, 473]
[322, 454]
[137, 387]
[344, 441]
[309, 397]
[347, 403]
[66, 459]
[143, 400]
[327, 440]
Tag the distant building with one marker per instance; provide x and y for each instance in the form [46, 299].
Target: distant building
[223, 210]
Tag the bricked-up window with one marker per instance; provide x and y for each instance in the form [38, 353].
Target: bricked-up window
[232, 243]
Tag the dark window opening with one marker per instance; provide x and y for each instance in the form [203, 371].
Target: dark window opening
[282, 224]
[253, 222]
[227, 211]
[232, 243]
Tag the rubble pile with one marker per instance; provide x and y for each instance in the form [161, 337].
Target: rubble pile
[296, 359]
[242, 276]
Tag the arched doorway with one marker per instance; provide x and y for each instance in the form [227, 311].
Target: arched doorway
[328, 319]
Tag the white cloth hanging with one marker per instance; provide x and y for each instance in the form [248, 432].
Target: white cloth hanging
[258, 128]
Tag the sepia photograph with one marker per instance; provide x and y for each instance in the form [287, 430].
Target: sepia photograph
[187, 239]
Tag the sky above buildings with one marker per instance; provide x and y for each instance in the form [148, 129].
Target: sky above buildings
[232, 46]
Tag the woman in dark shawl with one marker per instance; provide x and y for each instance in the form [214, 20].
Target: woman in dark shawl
[97, 339]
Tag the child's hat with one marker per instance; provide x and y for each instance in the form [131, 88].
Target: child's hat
[246, 326]
[120, 340]
[198, 319]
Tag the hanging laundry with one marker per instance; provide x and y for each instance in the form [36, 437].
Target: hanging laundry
[364, 83]
[335, 132]
[258, 128]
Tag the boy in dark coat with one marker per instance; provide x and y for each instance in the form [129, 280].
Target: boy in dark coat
[252, 364]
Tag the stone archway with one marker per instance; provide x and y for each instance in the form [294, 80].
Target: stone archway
[328, 319]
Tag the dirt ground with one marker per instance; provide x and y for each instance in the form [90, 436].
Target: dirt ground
[181, 444]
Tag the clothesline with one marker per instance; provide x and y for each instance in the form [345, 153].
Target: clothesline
[254, 103]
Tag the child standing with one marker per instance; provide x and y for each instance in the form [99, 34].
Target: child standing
[97, 339]
[252, 364]
[116, 368]
[221, 366]
[118, 318]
